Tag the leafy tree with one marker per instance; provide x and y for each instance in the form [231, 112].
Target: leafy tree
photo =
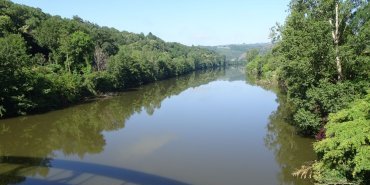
[251, 55]
[344, 156]
[77, 49]
[314, 55]
[6, 25]
[356, 51]
[49, 32]
[13, 63]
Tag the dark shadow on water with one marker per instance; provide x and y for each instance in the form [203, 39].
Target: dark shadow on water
[77, 169]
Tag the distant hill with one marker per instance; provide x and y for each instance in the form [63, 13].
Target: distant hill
[236, 52]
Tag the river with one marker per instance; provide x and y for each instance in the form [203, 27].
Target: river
[205, 128]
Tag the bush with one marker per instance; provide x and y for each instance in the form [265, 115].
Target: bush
[307, 122]
[313, 110]
[345, 153]
[104, 82]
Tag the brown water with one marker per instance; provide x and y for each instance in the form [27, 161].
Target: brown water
[206, 128]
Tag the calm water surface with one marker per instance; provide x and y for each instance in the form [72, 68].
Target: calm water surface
[206, 128]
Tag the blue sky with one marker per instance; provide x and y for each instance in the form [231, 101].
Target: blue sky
[190, 22]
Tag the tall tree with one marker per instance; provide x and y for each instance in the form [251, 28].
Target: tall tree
[13, 62]
[78, 49]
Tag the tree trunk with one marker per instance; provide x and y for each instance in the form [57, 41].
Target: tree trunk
[339, 64]
[100, 59]
[335, 34]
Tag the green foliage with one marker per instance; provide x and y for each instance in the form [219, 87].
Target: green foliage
[14, 86]
[304, 61]
[345, 154]
[252, 54]
[264, 66]
[308, 123]
[49, 32]
[149, 60]
[254, 66]
[326, 98]
[48, 61]
[356, 52]
[6, 25]
[77, 49]
[104, 81]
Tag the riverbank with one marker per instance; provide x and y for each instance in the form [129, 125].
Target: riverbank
[103, 95]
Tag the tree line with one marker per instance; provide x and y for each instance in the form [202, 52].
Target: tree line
[321, 61]
[47, 61]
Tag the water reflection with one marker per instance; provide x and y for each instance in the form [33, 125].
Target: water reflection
[33, 140]
[290, 150]
[219, 133]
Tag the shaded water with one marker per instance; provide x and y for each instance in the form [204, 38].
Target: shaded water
[206, 128]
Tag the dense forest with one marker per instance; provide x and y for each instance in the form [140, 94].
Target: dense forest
[48, 61]
[321, 61]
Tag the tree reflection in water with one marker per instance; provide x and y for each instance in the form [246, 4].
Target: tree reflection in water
[27, 144]
[291, 150]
